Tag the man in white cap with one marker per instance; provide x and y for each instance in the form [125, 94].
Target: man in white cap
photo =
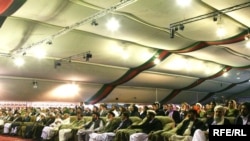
[149, 126]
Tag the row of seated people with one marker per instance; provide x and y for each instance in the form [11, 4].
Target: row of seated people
[66, 130]
[79, 128]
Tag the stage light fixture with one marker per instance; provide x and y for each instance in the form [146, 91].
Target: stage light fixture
[215, 17]
[176, 28]
[35, 84]
[94, 23]
[57, 63]
[87, 56]
[181, 27]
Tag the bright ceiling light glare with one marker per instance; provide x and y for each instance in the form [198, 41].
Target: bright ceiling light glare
[183, 3]
[125, 55]
[113, 24]
[221, 31]
[146, 55]
[225, 74]
[207, 71]
[19, 61]
[248, 44]
[177, 64]
[157, 61]
[66, 90]
[39, 53]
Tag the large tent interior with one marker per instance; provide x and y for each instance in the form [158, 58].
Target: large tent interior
[124, 51]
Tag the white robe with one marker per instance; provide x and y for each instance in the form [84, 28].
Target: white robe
[109, 136]
[138, 137]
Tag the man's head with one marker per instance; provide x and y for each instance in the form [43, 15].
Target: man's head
[111, 115]
[245, 109]
[125, 115]
[79, 116]
[151, 114]
[219, 112]
[95, 115]
[192, 114]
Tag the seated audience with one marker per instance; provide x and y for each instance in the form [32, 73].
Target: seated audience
[244, 117]
[188, 127]
[49, 131]
[110, 126]
[231, 109]
[93, 126]
[150, 125]
[219, 119]
[11, 127]
[66, 133]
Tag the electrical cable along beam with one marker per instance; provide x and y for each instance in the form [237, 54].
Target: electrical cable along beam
[174, 26]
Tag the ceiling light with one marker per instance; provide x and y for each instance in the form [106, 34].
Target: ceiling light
[225, 74]
[49, 42]
[183, 2]
[221, 31]
[215, 17]
[35, 84]
[57, 63]
[19, 61]
[181, 27]
[157, 61]
[248, 44]
[113, 24]
[94, 23]
[87, 56]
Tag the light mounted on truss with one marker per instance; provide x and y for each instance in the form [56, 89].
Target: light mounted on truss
[86, 56]
[180, 25]
[35, 84]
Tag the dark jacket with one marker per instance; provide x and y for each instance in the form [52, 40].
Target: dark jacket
[150, 125]
[110, 126]
[239, 121]
[175, 116]
[95, 122]
[198, 124]
[124, 124]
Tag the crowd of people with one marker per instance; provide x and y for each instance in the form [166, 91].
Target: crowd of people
[188, 120]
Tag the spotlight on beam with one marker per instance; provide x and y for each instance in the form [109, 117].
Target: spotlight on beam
[57, 63]
[35, 84]
[181, 27]
[87, 56]
[94, 23]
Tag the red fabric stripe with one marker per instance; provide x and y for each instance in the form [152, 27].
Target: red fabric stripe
[4, 5]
